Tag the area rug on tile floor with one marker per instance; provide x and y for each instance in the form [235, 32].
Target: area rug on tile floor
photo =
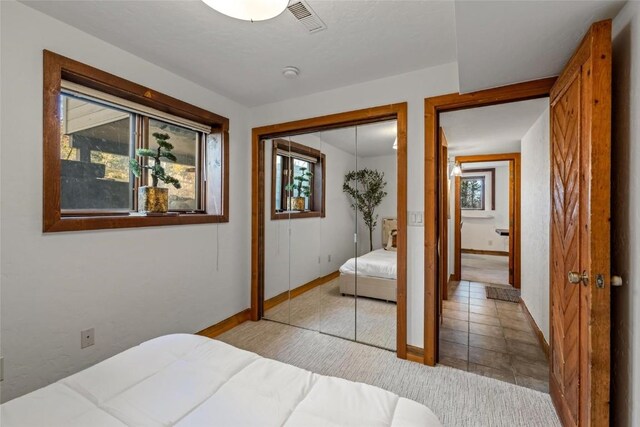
[503, 294]
[458, 398]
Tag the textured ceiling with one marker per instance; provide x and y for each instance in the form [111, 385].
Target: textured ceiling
[365, 40]
[370, 140]
[494, 42]
[504, 42]
[490, 130]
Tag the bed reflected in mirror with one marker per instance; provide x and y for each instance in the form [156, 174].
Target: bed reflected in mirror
[331, 230]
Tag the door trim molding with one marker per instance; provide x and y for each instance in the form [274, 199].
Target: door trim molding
[514, 212]
[351, 118]
[432, 189]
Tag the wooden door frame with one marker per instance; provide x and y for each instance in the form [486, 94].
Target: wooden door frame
[514, 212]
[432, 188]
[351, 118]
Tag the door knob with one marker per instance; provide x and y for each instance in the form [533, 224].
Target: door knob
[576, 278]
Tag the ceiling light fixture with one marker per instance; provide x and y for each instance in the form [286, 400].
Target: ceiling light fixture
[249, 10]
[290, 72]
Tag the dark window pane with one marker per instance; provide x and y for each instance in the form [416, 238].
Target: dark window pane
[95, 148]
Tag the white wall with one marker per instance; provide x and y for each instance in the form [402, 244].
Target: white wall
[389, 206]
[535, 220]
[625, 203]
[413, 88]
[304, 256]
[130, 284]
[479, 227]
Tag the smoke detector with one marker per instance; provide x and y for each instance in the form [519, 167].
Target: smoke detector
[291, 72]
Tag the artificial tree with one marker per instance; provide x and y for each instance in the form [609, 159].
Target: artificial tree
[152, 198]
[301, 185]
[365, 188]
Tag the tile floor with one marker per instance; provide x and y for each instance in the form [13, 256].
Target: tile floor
[491, 338]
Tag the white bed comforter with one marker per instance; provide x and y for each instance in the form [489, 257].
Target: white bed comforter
[188, 380]
[378, 263]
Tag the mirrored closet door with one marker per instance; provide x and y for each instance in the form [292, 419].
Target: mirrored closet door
[330, 225]
[376, 186]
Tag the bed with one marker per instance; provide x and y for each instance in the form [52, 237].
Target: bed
[189, 380]
[376, 271]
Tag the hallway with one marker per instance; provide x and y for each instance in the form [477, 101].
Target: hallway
[485, 268]
[490, 338]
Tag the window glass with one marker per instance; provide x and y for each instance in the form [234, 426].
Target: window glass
[472, 193]
[95, 149]
[185, 148]
[302, 180]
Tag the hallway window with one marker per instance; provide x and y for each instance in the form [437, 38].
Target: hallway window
[472, 192]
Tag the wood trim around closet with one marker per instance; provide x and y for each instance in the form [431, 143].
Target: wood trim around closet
[333, 121]
[433, 169]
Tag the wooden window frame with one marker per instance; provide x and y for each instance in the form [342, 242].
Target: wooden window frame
[317, 202]
[55, 69]
[491, 171]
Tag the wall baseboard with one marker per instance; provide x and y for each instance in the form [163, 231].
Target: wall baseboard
[536, 329]
[484, 252]
[415, 354]
[226, 325]
[296, 292]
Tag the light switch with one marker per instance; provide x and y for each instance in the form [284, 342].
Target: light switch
[415, 218]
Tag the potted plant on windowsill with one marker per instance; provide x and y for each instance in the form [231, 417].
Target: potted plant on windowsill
[301, 187]
[152, 199]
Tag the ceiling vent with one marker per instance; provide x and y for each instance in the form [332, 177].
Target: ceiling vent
[307, 17]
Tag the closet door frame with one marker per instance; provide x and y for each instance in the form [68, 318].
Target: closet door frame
[396, 112]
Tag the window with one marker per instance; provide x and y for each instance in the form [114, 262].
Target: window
[472, 192]
[297, 184]
[94, 122]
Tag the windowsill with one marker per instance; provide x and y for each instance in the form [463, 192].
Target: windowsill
[78, 223]
[296, 214]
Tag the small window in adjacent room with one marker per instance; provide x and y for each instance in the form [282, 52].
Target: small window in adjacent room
[298, 175]
[472, 192]
[95, 123]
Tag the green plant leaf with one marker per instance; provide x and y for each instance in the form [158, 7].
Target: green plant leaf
[135, 167]
[168, 156]
[146, 152]
[164, 144]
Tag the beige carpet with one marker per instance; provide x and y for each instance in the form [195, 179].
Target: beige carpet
[324, 309]
[458, 398]
[485, 268]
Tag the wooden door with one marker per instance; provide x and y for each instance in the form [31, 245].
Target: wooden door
[580, 232]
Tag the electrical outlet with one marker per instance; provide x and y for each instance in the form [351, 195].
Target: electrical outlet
[329, 258]
[87, 338]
